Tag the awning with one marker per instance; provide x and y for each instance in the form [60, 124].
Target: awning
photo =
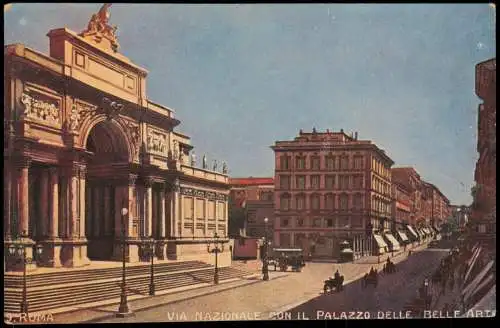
[436, 229]
[392, 241]
[472, 287]
[410, 229]
[403, 236]
[429, 231]
[380, 241]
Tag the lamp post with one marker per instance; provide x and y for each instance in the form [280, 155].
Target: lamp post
[216, 246]
[265, 265]
[20, 251]
[149, 250]
[123, 309]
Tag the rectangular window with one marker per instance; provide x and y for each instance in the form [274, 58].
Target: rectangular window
[285, 162]
[329, 181]
[330, 165]
[315, 181]
[315, 202]
[300, 202]
[301, 182]
[329, 223]
[358, 162]
[300, 163]
[285, 203]
[300, 222]
[315, 163]
[344, 163]
[344, 182]
[317, 222]
[284, 181]
[284, 222]
[329, 202]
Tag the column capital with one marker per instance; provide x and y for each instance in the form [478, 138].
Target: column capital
[148, 182]
[132, 179]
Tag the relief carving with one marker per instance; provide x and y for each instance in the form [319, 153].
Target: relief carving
[40, 109]
[157, 142]
[74, 118]
[133, 132]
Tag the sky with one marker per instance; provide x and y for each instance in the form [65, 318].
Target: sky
[240, 77]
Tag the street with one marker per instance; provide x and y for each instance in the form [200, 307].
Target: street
[387, 300]
[263, 300]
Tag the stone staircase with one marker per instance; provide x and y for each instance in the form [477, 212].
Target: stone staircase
[53, 290]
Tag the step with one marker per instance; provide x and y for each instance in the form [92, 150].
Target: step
[56, 301]
[42, 279]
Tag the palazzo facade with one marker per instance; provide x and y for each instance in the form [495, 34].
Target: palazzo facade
[82, 142]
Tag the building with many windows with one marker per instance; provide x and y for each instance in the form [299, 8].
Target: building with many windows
[331, 187]
[483, 218]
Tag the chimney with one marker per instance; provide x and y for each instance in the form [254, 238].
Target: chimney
[356, 135]
[341, 130]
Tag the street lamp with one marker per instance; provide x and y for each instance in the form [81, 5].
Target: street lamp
[149, 250]
[217, 247]
[265, 269]
[123, 309]
[20, 250]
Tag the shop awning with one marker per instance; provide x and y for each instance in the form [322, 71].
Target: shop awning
[380, 241]
[393, 241]
[435, 229]
[402, 236]
[429, 231]
[410, 229]
[472, 287]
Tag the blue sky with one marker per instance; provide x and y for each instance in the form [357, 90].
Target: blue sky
[240, 77]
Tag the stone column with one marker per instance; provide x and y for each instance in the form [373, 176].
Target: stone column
[23, 195]
[148, 183]
[96, 208]
[83, 217]
[205, 215]
[44, 202]
[21, 191]
[160, 246]
[107, 210]
[51, 255]
[74, 250]
[216, 205]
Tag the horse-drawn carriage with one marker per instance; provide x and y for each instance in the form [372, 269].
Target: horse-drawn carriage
[332, 283]
[283, 258]
[389, 267]
[370, 278]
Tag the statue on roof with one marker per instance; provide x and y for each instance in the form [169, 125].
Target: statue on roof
[99, 28]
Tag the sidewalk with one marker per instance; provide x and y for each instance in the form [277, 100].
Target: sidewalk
[108, 309]
[398, 256]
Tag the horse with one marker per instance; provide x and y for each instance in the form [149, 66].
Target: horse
[370, 278]
[334, 283]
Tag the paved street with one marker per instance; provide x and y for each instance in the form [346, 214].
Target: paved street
[256, 301]
[391, 294]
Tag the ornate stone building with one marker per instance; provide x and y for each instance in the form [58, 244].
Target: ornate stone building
[331, 187]
[83, 141]
[483, 218]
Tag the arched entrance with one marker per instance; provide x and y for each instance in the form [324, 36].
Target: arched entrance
[106, 145]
